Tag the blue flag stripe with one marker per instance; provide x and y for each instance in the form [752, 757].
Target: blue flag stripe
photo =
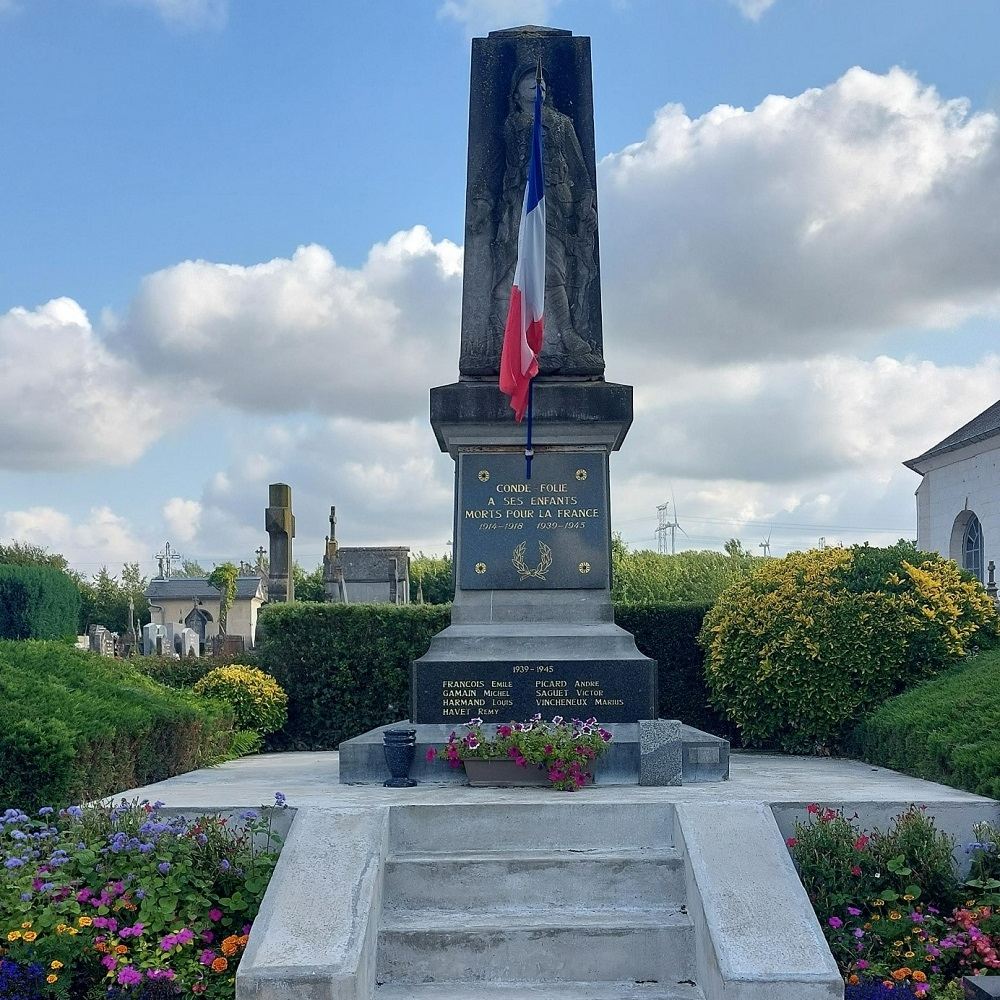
[536, 185]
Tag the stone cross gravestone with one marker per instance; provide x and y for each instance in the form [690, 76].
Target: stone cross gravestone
[532, 623]
[279, 523]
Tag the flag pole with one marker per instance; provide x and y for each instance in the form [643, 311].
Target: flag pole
[529, 452]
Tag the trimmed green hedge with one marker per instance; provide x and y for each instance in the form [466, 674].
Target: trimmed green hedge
[669, 634]
[75, 726]
[37, 602]
[346, 668]
[947, 729]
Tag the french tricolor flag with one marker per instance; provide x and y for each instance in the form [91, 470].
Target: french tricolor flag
[522, 336]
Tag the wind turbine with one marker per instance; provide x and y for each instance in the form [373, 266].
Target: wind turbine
[766, 544]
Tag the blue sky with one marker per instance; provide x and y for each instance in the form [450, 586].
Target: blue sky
[144, 133]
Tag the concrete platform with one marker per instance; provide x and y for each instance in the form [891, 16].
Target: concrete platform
[703, 757]
[368, 874]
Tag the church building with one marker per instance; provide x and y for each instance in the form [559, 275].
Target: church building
[958, 499]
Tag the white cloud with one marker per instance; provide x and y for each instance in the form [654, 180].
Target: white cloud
[305, 334]
[804, 225]
[189, 13]
[816, 443]
[182, 518]
[480, 16]
[386, 478]
[753, 10]
[65, 400]
[102, 537]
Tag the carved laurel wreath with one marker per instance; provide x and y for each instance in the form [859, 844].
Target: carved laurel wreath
[544, 565]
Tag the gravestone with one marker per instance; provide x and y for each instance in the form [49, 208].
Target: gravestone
[280, 526]
[532, 623]
[150, 633]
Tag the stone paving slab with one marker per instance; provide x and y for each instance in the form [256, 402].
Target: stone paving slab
[312, 779]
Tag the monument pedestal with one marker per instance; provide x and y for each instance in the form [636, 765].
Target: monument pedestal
[532, 623]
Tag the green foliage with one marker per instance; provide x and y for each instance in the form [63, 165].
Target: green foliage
[645, 577]
[75, 726]
[190, 569]
[804, 646]
[136, 883]
[223, 578]
[840, 863]
[173, 672]
[37, 602]
[668, 633]
[23, 554]
[257, 699]
[308, 586]
[944, 730]
[346, 667]
[105, 600]
[434, 577]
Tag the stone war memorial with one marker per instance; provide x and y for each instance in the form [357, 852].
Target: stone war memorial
[532, 627]
[673, 875]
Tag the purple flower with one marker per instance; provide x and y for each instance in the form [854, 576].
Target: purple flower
[835, 922]
[225, 865]
[215, 914]
[129, 976]
[249, 815]
[109, 961]
[46, 811]
[163, 867]
[13, 863]
[854, 911]
[279, 800]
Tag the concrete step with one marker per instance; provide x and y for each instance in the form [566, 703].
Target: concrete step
[541, 991]
[534, 880]
[523, 945]
[565, 821]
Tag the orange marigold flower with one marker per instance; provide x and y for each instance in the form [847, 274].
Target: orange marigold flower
[51, 978]
[100, 946]
[888, 984]
[853, 980]
[121, 949]
[85, 921]
[243, 938]
[918, 976]
[900, 974]
[14, 936]
[30, 935]
[56, 964]
[220, 965]
[231, 945]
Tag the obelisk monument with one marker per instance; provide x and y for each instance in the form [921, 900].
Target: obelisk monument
[532, 624]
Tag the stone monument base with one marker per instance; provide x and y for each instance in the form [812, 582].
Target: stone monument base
[637, 749]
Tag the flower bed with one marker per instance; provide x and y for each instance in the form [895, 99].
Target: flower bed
[126, 903]
[897, 918]
[566, 750]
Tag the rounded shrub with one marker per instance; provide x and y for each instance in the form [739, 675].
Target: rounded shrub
[806, 645]
[258, 700]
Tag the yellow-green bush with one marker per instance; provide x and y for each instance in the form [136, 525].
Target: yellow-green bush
[257, 699]
[806, 645]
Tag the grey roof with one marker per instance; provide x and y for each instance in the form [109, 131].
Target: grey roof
[986, 425]
[188, 588]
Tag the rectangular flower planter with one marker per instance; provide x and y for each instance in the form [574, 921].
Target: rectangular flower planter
[505, 774]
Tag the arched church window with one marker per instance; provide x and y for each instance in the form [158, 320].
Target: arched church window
[972, 548]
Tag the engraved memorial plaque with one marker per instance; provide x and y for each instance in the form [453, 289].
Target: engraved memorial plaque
[549, 532]
[502, 691]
